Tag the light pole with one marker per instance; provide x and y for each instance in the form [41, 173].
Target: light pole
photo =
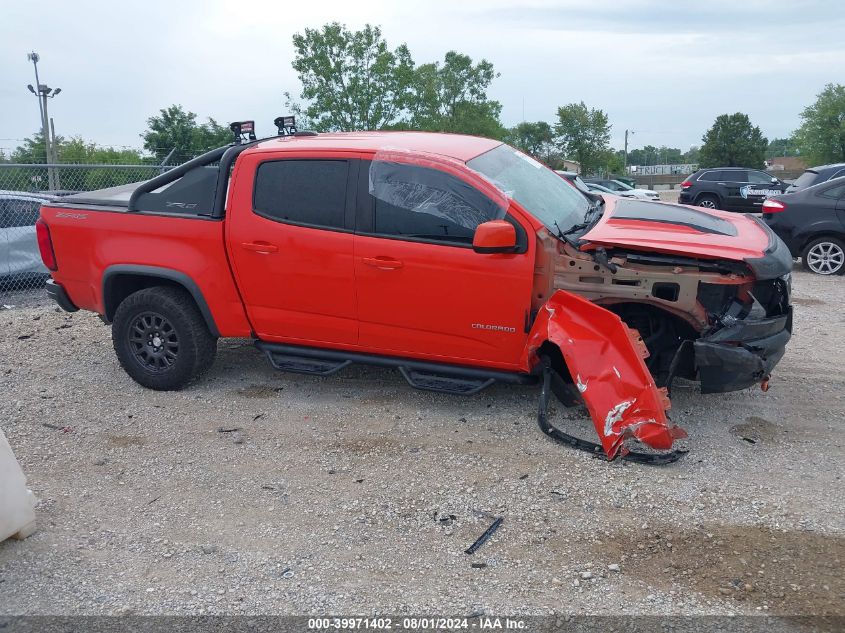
[42, 92]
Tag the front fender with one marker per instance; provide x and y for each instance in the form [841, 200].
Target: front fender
[605, 359]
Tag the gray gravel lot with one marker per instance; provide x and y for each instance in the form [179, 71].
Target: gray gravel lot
[358, 494]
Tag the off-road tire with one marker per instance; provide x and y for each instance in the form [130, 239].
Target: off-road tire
[811, 256]
[707, 201]
[168, 317]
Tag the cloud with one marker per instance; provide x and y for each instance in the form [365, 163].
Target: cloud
[665, 69]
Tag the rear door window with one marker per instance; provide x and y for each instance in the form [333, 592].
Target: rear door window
[759, 178]
[834, 192]
[735, 175]
[711, 176]
[302, 192]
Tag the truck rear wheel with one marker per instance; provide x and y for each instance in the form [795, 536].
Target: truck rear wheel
[161, 339]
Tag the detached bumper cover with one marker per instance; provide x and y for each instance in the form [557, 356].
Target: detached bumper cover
[742, 354]
[57, 293]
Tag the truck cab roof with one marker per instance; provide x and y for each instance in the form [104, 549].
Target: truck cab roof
[456, 146]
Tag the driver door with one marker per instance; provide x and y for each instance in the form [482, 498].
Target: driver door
[422, 290]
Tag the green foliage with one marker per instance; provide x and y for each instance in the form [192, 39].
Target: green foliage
[452, 97]
[821, 137]
[733, 142]
[351, 79]
[651, 155]
[534, 138]
[32, 149]
[692, 155]
[73, 151]
[583, 134]
[781, 147]
[176, 129]
[613, 162]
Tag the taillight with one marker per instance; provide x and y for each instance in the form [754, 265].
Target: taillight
[45, 244]
[773, 206]
[686, 184]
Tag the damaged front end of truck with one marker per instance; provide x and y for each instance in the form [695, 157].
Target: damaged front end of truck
[652, 293]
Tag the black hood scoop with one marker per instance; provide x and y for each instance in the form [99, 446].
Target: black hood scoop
[671, 214]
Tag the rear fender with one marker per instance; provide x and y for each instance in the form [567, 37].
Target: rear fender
[605, 359]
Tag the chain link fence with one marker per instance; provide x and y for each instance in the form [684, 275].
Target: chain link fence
[23, 189]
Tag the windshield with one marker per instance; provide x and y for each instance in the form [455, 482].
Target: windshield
[538, 189]
[622, 186]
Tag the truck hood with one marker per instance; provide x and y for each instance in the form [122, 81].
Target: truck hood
[693, 232]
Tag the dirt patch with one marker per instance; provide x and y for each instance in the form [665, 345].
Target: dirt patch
[260, 392]
[124, 441]
[807, 301]
[756, 429]
[787, 572]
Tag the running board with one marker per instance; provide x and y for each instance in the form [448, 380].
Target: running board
[440, 377]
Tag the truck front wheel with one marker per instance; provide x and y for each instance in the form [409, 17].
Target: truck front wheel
[161, 339]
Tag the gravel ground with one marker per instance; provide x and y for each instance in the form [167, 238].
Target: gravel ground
[359, 494]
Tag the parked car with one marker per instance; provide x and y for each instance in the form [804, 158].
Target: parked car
[730, 189]
[574, 179]
[618, 187]
[600, 189]
[19, 257]
[458, 260]
[817, 175]
[811, 222]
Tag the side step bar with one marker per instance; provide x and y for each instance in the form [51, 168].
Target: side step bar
[424, 375]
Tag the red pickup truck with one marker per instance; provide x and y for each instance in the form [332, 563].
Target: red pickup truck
[458, 260]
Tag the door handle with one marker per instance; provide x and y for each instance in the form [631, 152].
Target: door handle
[265, 248]
[385, 263]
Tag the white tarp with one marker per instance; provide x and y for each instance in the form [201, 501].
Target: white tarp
[17, 514]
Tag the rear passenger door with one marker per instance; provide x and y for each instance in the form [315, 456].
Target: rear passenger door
[732, 183]
[760, 187]
[290, 235]
[422, 290]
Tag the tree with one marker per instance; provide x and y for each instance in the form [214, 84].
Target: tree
[533, 138]
[821, 137]
[176, 130]
[350, 79]
[582, 134]
[781, 147]
[452, 97]
[733, 142]
[32, 149]
[692, 155]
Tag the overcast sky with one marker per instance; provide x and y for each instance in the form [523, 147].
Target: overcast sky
[664, 69]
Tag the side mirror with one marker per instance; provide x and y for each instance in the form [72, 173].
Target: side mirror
[775, 181]
[496, 236]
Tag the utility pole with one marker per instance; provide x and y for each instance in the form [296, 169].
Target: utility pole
[42, 92]
[625, 168]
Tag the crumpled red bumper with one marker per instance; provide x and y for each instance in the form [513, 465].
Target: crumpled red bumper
[605, 359]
